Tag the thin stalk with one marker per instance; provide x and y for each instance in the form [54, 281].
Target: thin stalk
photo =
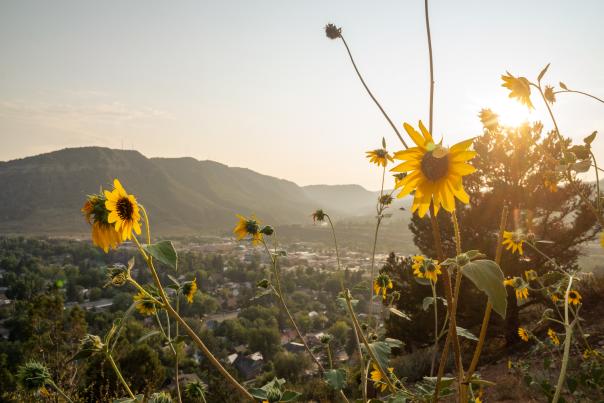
[430, 126]
[598, 206]
[356, 324]
[120, 377]
[567, 342]
[579, 92]
[200, 344]
[379, 210]
[60, 391]
[371, 95]
[434, 354]
[489, 307]
[356, 335]
[329, 357]
[176, 358]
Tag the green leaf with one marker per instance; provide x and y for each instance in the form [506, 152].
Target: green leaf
[262, 293]
[581, 166]
[563, 86]
[139, 398]
[488, 277]
[428, 301]
[399, 313]
[259, 393]
[445, 382]
[422, 281]
[164, 252]
[589, 139]
[381, 350]
[543, 72]
[466, 333]
[290, 396]
[336, 378]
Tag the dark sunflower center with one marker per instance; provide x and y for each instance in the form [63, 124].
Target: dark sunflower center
[434, 168]
[572, 295]
[430, 268]
[251, 227]
[125, 208]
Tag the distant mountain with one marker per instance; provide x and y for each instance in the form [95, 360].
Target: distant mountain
[43, 194]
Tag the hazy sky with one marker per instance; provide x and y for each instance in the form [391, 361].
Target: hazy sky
[257, 84]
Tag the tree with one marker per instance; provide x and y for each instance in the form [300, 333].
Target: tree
[515, 168]
[290, 366]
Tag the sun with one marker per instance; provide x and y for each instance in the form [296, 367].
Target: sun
[512, 114]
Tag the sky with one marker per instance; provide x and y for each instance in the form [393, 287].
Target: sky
[257, 84]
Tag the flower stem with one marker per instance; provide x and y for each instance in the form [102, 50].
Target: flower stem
[489, 307]
[120, 377]
[567, 342]
[60, 391]
[371, 95]
[430, 126]
[379, 210]
[435, 353]
[579, 92]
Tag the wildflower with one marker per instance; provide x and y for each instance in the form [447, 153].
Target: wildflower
[123, 210]
[519, 88]
[477, 399]
[550, 185]
[385, 200]
[553, 337]
[189, 289]
[555, 297]
[522, 292]
[318, 215]
[161, 397]
[376, 377]
[574, 297]
[511, 282]
[509, 364]
[33, 377]
[248, 226]
[426, 268]
[434, 172]
[530, 275]
[513, 241]
[332, 31]
[489, 119]
[144, 305]
[381, 284]
[549, 94]
[104, 234]
[523, 334]
[379, 157]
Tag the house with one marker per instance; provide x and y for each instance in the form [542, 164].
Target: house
[294, 347]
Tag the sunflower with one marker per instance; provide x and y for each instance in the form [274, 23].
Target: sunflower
[123, 210]
[434, 172]
[318, 215]
[523, 334]
[522, 292]
[381, 284]
[574, 297]
[104, 234]
[426, 268]
[549, 94]
[519, 88]
[489, 119]
[248, 226]
[144, 305]
[555, 297]
[513, 241]
[550, 185]
[376, 377]
[189, 289]
[511, 282]
[379, 157]
[553, 336]
[602, 239]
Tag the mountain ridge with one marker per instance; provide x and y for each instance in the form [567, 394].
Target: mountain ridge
[42, 194]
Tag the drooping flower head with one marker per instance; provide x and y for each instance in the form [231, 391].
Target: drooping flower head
[489, 119]
[574, 297]
[426, 268]
[520, 287]
[189, 289]
[381, 284]
[378, 378]
[549, 94]
[248, 227]
[318, 215]
[123, 211]
[332, 31]
[104, 234]
[379, 157]
[145, 305]
[519, 88]
[553, 336]
[196, 390]
[513, 241]
[523, 334]
[434, 172]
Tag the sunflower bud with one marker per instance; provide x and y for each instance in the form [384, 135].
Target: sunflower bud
[118, 275]
[92, 343]
[264, 283]
[325, 339]
[332, 31]
[372, 337]
[267, 230]
[462, 260]
[385, 200]
[160, 397]
[33, 377]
